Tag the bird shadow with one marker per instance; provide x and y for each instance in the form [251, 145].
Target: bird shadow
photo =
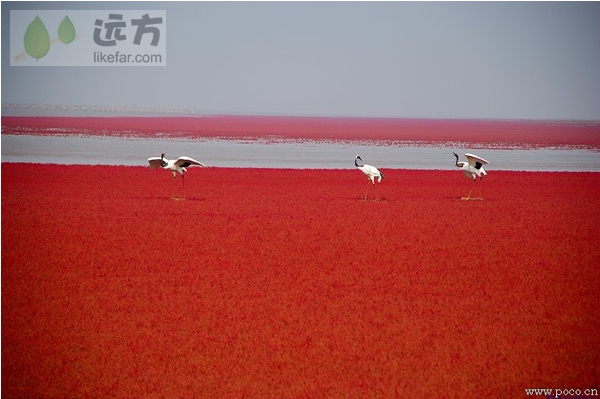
[193, 199]
[374, 200]
[467, 199]
[172, 199]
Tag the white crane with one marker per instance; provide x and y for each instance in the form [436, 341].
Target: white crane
[371, 172]
[174, 166]
[472, 169]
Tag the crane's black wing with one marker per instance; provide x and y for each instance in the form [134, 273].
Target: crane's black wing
[475, 161]
[184, 162]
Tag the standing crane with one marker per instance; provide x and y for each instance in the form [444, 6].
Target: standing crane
[371, 172]
[473, 168]
[175, 166]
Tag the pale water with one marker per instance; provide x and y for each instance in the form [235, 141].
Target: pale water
[296, 154]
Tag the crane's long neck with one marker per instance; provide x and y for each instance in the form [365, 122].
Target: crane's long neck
[163, 162]
[356, 163]
[456, 155]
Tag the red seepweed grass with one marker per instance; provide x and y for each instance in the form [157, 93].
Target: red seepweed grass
[283, 283]
[499, 133]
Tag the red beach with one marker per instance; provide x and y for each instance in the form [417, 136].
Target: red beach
[284, 283]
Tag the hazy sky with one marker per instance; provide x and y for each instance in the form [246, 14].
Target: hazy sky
[388, 59]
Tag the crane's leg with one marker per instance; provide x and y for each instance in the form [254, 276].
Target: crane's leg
[368, 188]
[173, 188]
[376, 193]
[468, 197]
[183, 184]
[480, 197]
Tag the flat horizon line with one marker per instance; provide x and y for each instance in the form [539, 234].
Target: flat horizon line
[308, 117]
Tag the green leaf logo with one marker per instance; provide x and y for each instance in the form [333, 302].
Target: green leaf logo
[36, 40]
[66, 31]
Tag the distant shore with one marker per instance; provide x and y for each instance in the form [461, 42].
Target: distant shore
[523, 132]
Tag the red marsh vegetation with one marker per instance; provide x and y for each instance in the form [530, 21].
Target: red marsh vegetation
[283, 283]
[481, 132]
